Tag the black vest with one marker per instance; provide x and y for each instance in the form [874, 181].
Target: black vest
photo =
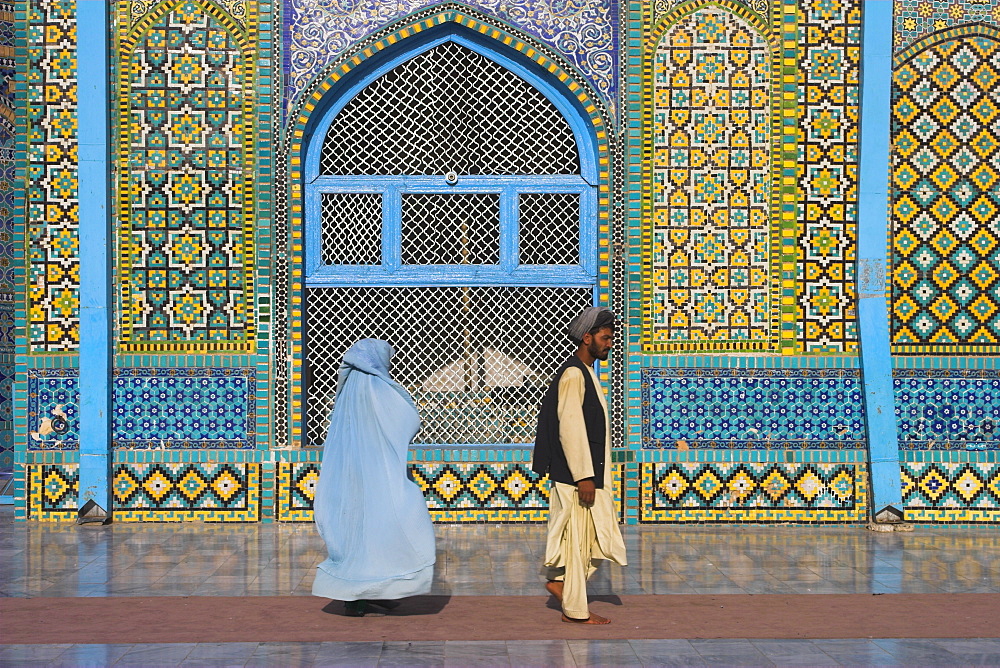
[549, 456]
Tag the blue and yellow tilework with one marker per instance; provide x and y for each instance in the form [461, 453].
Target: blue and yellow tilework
[945, 99]
[753, 492]
[52, 491]
[158, 491]
[823, 249]
[296, 490]
[52, 185]
[946, 490]
[164, 492]
[711, 214]
[186, 154]
[948, 409]
[917, 19]
[455, 491]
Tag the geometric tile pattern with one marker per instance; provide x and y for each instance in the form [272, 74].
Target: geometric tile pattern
[184, 408]
[296, 482]
[752, 491]
[945, 246]
[161, 492]
[947, 409]
[829, 48]
[52, 490]
[583, 32]
[53, 409]
[752, 408]
[6, 412]
[468, 486]
[178, 409]
[454, 491]
[52, 204]
[711, 268]
[200, 490]
[186, 155]
[947, 487]
[916, 19]
[8, 75]
[11, 198]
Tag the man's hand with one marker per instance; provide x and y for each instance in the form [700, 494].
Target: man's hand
[586, 491]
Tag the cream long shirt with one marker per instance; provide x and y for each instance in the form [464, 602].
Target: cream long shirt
[573, 430]
[564, 502]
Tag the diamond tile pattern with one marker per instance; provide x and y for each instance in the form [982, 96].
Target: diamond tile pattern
[971, 486]
[684, 485]
[945, 251]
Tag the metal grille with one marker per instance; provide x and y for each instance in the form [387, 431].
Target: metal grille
[352, 228]
[449, 109]
[476, 360]
[550, 228]
[451, 229]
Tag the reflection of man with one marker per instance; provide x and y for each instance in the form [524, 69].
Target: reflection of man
[573, 445]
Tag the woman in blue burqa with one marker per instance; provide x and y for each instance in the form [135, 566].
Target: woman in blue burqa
[373, 518]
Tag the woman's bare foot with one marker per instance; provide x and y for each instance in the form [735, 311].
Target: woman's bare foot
[555, 587]
[594, 619]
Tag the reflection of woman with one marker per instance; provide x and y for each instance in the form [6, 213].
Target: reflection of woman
[374, 520]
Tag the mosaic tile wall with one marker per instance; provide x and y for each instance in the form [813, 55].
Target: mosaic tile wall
[455, 491]
[944, 198]
[812, 244]
[53, 213]
[584, 32]
[174, 409]
[752, 408]
[916, 19]
[710, 260]
[947, 489]
[712, 184]
[948, 409]
[829, 52]
[161, 492]
[186, 160]
[752, 492]
[10, 194]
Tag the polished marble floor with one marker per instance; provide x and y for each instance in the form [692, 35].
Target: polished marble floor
[45, 559]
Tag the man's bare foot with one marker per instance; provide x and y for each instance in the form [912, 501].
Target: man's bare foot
[594, 619]
[555, 587]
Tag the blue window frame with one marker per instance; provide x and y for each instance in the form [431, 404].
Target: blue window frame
[508, 269]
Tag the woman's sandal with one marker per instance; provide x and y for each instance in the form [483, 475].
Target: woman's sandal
[355, 608]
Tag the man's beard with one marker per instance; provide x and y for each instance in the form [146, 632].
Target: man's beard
[598, 353]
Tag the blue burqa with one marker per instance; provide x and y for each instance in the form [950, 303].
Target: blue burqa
[374, 520]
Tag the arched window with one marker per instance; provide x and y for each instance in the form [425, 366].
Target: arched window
[450, 206]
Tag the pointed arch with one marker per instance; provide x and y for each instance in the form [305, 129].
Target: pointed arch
[342, 81]
[186, 153]
[945, 193]
[715, 147]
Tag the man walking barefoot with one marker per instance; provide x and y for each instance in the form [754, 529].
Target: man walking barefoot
[573, 446]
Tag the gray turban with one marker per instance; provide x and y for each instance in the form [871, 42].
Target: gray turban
[592, 318]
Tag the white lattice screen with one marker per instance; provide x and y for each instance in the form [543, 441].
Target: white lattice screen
[476, 360]
[449, 109]
[476, 356]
